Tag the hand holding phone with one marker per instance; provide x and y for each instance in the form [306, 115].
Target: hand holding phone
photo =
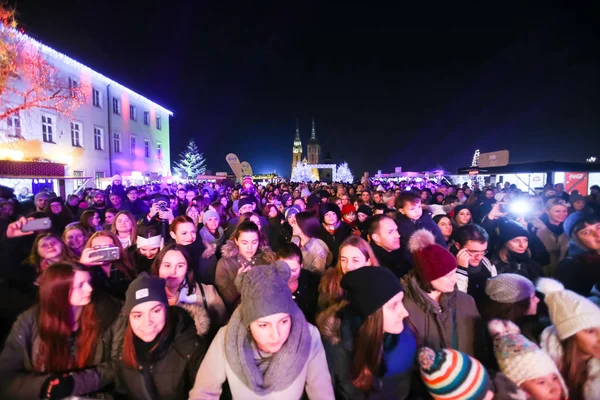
[39, 224]
[106, 254]
[15, 229]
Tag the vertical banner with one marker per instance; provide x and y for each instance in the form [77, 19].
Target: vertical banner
[576, 181]
[246, 168]
[234, 163]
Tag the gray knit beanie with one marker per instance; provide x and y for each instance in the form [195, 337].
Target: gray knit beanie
[265, 291]
[145, 288]
[509, 288]
[210, 214]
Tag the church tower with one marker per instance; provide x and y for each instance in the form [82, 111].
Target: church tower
[313, 148]
[297, 152]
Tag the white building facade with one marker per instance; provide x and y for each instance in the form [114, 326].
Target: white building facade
[116, 131]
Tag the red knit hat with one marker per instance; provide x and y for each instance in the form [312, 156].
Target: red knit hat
[348, 208]
[432, 260]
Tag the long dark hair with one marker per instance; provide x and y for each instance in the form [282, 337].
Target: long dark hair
[505, 311]
[367, 351]
[189, 275]
[55, 323]
[308, 224]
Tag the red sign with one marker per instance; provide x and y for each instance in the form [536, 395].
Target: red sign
[576, 181]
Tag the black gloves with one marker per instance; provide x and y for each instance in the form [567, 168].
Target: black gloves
[57, 386]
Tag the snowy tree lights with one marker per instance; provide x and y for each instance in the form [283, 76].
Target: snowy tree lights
[191, 162]
[303, 172]
[475, 161]
[344, 174]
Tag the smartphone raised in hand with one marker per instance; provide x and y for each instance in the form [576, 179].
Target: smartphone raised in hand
[39, 224]
[107, 253]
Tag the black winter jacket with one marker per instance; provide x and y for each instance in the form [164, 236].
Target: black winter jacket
[18, 380]
[172, 369]
[335, 241]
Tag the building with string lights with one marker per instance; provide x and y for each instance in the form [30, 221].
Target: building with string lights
[115, 131]
[320, 171]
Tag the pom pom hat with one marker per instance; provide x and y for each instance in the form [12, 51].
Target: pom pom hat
[452, 375]
[432, 260]
[570, 312]
[520, 359]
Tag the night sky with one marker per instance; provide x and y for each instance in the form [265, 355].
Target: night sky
[420, 87]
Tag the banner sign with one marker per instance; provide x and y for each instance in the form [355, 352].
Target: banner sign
[576, 181]
[246, 168]
[495, 159]
[234, 163]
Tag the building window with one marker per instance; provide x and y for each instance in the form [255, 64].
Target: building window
[14, 125]
[96, 98]
[48, 128]
[98, 178]
[117, 142]
[159, 150]
[146, 148]
[147, 118]
[78, 182]
[73, 84]
[158, 123]
[98, 138]
[76, 134]
[116, 106]
[132, 145]
[132, 113]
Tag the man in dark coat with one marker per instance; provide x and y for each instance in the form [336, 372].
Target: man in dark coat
[385, 242]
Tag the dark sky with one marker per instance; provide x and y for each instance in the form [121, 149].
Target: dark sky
[412, 86]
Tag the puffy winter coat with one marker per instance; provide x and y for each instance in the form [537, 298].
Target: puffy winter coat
[453, 323]
[172, 369]
[19, 380]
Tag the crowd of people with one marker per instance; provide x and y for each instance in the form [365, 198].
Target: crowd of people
[377, 290]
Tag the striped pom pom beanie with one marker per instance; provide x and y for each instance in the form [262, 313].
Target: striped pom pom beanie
[450, 374]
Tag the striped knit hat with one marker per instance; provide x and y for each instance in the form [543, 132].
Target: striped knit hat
[450, 374]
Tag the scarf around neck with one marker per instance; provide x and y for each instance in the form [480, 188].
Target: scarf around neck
[283, 367]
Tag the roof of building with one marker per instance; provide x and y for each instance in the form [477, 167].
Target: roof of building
[50, 52]
[539, 166]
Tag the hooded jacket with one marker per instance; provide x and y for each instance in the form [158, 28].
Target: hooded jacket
[338, 325]
[171, 371]
[19, 380]
[453, 323]
[228, 266]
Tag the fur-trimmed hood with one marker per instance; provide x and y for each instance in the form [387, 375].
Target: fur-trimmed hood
[552, 345]
[329, 322]
[199, 315]
[264, 252]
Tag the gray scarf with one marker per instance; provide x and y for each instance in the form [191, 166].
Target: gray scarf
[283, 367]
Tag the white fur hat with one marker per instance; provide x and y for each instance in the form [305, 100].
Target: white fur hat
[570, 312]
[519, 358]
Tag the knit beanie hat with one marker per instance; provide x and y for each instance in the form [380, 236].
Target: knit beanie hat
[365, 209]
[312, 201]
[518, 358]
[41, 195]
[244, 202]
[576, 197]
[450, 374]
[509, 229]
[293, 210]
[247, 179]
[570, 313]
[117, 177]
[509, 288]
[458, 209]
[265, 291]
[369, 288]
[575, 219]
[432, 260]
[55, 199]
[145, 288]
[131, 189]
[210, 214]
[327, 207]
[285, 198]
[348, 208]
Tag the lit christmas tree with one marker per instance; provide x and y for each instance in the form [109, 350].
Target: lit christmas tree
[344, 174]
[475, 162]
[192, 162]
[302, 173]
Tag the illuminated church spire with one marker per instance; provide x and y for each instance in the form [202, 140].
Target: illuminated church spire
[297, 151]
